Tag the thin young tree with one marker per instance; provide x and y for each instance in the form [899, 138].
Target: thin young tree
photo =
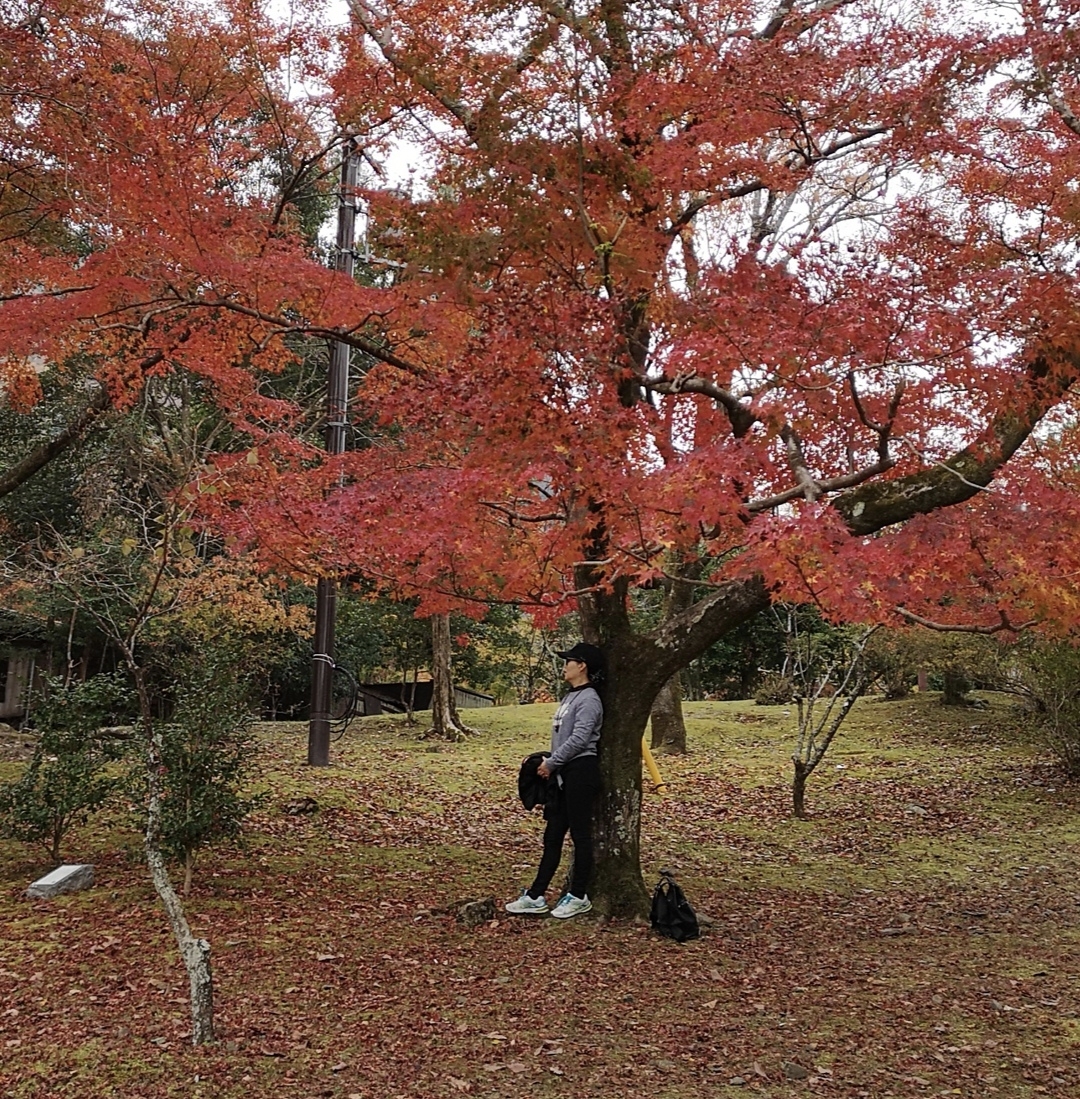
[125, 587]
[826, 690]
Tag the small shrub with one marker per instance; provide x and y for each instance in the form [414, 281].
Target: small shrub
[956, 685]
[207, 754]
[69, 776]
[1049, 676]
[775, 689]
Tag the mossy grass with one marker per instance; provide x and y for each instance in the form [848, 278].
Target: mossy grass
[917, 935]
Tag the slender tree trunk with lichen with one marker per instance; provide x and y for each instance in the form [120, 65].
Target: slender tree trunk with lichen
[445, 722]
[668, 724]
[194, 952]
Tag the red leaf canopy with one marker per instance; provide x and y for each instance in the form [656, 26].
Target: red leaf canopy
[786, 288]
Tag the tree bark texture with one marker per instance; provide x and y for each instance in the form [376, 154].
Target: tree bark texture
[194, 952]
[638, 667]
[618, 888]
[445, 722]
[668, 726]
[798, 789]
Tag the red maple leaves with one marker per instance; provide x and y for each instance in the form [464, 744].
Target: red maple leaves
[668, 287]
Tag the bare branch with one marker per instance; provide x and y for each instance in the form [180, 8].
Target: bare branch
[63, 292]
[361, 343]
[529, 53]
[741, 417]
[1002, 626]
[374, 24]
[741, 190]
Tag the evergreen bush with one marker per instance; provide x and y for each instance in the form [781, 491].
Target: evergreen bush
[208, 753]
[71, 773]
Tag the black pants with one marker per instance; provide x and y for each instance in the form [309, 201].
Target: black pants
[570, 811]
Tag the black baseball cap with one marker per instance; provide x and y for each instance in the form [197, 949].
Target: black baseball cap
[589, 655]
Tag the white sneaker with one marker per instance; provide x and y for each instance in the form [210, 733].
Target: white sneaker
[528, 906]
[569, 905]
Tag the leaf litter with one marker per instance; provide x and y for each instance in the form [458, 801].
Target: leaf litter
[842, 958]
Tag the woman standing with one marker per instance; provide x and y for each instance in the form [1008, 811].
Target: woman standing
[573, 771]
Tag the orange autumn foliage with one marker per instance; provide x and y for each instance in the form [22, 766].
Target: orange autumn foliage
[784, 292]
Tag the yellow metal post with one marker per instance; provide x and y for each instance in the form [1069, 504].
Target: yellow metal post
[659, 785]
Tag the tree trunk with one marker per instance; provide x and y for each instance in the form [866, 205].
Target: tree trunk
[194, 952]
[445, 722]
[618, 888]
[668, 726]
[638, 666]
[798, 789]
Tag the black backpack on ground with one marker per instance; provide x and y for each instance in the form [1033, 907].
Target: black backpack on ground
[671, 914]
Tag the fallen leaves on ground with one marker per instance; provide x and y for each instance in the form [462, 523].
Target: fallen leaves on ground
[836, 961]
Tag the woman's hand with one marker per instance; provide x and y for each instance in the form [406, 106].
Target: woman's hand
[543, 770]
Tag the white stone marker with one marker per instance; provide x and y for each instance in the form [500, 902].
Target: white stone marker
[64, 879]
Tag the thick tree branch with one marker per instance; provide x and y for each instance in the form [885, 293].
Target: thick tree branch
[781, 18]
[685, 636]
[618, 57]
[777, 20]
[741, 417]
[869, 508]
[1058, 104]
[1063, 111]
[883, 503]
[580, 24]
[22, 471]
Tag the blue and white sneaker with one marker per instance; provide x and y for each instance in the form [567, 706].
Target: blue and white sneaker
[569, 905]
[528, 906]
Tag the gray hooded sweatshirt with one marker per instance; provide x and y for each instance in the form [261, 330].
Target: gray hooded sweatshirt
[575, 729]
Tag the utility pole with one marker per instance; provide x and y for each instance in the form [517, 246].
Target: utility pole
[337, 398]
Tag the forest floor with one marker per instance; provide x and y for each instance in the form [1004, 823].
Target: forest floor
[917, 936]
